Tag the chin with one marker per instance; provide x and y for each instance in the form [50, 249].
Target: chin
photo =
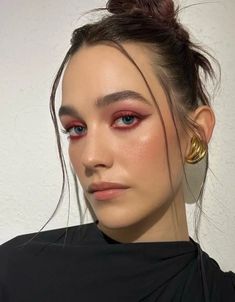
[116, 221]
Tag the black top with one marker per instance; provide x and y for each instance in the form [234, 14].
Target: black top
[91, 266]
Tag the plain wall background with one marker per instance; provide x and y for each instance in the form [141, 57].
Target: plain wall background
[34, 36]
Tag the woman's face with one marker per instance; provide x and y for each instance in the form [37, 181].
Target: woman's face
[120, 141]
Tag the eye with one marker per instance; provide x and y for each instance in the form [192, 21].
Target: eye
[124, 118]
[127, 119]
[77, 130]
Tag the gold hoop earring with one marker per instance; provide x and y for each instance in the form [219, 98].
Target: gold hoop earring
[197, 152]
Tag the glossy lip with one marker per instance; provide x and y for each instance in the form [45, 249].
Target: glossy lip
[101, 186]
[107, 194]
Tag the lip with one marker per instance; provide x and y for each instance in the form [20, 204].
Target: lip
[108, 194]
[101, 186]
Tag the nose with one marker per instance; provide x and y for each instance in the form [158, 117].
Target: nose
[96, 151]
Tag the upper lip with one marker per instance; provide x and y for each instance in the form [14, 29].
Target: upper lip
[100, 186]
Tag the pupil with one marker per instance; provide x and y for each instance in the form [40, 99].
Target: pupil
[128, 118]
[78, 127]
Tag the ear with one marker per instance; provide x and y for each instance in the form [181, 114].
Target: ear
[205, 118]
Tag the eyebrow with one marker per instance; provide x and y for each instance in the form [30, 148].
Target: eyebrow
[106, 101]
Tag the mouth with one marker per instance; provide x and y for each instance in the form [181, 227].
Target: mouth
[104, 185]
[108, 194]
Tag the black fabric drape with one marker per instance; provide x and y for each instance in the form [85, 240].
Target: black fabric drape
[93, 267]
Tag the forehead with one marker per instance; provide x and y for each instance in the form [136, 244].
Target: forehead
[103, 68]
[97, 71]
[108, 57]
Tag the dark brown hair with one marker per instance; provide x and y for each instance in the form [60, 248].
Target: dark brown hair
[181, 66]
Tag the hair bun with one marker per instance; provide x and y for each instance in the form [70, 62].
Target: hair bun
[162, 10]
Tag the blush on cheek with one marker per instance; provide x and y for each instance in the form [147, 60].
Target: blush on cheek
[146, 150]
[148, 162]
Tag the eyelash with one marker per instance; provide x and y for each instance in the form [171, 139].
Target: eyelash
[122, 115]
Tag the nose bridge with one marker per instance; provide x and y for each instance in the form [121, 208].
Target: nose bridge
[96, 148]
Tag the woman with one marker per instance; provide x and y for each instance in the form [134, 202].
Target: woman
[136, 112]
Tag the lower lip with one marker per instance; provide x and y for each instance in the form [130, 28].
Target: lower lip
[108, 194]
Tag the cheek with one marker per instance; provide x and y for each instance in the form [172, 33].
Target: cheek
[146, 155]
[147, 169]
[146, 161]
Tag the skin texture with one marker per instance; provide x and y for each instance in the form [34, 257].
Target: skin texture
[111, 149]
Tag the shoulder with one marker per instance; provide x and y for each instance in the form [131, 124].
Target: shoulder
[231, 277]
[223, 282]
[35, 236]
[71, 235]
[11, 251]
[229, 285]
[48, 236]
[18, 253]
